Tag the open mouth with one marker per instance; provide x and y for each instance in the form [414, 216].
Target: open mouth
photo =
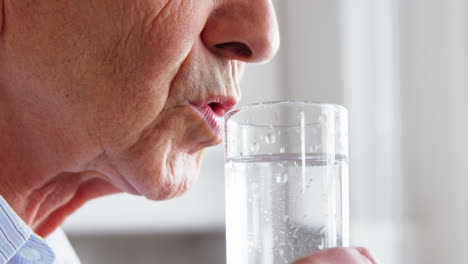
[212, 111]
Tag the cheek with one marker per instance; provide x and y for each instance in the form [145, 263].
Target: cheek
[143, 67]
[170, 34]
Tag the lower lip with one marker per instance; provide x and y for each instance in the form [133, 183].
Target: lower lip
[213, 121]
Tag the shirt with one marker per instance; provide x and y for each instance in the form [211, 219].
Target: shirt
[20, 245]
[64, 252]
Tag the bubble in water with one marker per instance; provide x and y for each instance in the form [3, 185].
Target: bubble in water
[295, 232]
[321, 119]
[281, 252]
[255, 147]
[282, 149]
[285, 177]
[281, 178]
[322, 236]
[278, 178]
[285, 218]
[270, 138]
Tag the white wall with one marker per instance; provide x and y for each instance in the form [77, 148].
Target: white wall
[311, 51]
[371, 90]
[435, 95]
[184, 248]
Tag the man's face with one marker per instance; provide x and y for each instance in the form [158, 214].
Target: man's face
[137, 86]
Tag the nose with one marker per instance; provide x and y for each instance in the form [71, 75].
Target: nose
[244, 30]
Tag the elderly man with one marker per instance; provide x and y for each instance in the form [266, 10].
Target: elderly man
[106, 96]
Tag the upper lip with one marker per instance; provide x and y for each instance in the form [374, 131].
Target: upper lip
[219, 105]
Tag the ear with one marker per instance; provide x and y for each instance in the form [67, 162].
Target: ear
[1, 15]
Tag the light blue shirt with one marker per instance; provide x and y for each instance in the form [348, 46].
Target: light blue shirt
[18, 243]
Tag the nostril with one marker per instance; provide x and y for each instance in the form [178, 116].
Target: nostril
[217, 108]
[235, 48]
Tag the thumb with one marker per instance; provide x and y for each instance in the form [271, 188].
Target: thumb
[340, 256]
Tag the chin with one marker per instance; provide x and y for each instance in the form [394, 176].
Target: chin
[172, 178]
[164, 160]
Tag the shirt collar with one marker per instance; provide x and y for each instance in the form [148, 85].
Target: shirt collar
[14, 234]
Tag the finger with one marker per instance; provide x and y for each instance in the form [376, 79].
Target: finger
[365, 252]
[341, 256]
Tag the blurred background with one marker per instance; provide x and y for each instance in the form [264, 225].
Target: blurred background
[401, 68]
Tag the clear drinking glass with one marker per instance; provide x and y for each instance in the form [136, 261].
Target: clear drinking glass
[286, 181]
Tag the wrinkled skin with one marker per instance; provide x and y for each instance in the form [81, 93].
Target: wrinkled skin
[100, 92]
[96, 97]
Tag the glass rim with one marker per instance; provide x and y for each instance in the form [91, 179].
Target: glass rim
[335, 107]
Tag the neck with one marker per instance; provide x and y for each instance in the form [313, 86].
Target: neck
[44, 204]
[40, 177]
